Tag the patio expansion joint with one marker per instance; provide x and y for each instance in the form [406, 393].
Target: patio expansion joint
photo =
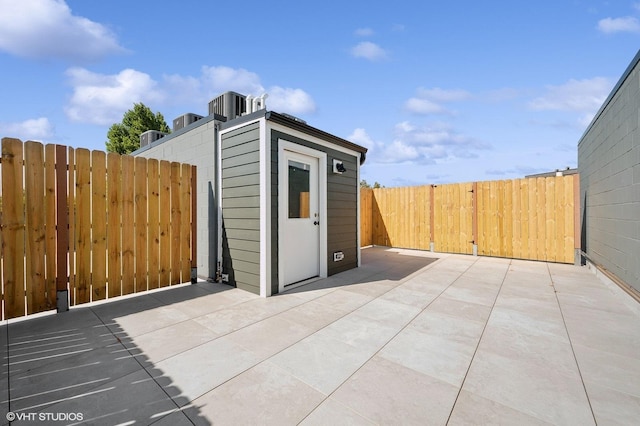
[8, 369]
[475, 351]
[573, 352]
[392, 337]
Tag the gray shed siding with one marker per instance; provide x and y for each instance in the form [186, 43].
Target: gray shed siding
[609, 166]
[197, 146]
[240, 153]
[342, 207]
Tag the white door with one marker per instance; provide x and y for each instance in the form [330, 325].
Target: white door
[300, 254]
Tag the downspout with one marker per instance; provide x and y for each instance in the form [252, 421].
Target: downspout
[218, 177]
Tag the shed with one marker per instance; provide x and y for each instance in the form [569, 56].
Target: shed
[278, 200]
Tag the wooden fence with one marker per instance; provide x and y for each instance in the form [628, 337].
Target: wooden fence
[98, 225]
[532, 218]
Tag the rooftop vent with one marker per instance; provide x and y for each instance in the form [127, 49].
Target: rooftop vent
[184, 120]
[256, 103]
[150, 136]
[229, 105]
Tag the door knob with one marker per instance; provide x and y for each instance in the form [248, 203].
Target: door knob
[316, 222]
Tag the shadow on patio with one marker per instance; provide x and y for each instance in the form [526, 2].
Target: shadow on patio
[82, 366]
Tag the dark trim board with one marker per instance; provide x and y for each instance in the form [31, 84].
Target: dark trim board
[340, 213]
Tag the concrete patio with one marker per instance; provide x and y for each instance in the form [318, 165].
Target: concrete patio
[408, 338]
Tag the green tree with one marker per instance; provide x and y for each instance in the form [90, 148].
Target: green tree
[124, 137]
[365, 184]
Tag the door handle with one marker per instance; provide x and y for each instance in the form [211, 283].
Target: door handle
[316, 222]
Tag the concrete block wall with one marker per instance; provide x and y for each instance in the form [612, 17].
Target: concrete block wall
[197, 146]
[609, 166]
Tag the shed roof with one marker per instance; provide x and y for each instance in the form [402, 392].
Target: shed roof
[304, 127]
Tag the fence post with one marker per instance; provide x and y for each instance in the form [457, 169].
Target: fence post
[432, 219]
[474, 217]
[62, 230]
[194, 225]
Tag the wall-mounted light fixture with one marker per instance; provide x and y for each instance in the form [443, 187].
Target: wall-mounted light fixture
[338, 167]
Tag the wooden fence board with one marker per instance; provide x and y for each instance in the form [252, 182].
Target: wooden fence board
[481, 188]
[1, 250]
[13, 228]
[128, 230]
[550, 222]
[193, 232]
[83, 225]
[165, 223]
[185, 223]
[494, 219]
[570, 208]
[98, 225]
[140, 207]
[524, 223]
[153, 255]
[51, 244]
[533, 220]
[176, 217]
[114, 225]
[366, 213]
[509, 219]
[35, 226]
[558, 209]
[516, 213]
[542, 219]
[62, 221]
[71, 203]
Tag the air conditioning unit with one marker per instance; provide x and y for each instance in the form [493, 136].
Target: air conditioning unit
[229, 105]
[150, 136]
[184, 120]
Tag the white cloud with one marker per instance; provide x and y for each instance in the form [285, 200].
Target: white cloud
[502, 95]
[575, 95]
[221, 79]
[361, 137]
[424, 106]
[364, 32]
[102, 99]
[48, 29]
[442, 95]
[369, 50]
[294, 101]
[33, 129]
[428, 101]
[628, 24]
[418, 145]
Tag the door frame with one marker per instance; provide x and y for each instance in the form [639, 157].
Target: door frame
[283, 146]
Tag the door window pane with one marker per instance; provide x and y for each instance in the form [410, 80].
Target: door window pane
[299, 206]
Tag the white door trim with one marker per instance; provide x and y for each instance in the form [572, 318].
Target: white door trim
[284, 145]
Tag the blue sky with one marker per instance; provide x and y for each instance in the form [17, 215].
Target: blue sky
[439, 92]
